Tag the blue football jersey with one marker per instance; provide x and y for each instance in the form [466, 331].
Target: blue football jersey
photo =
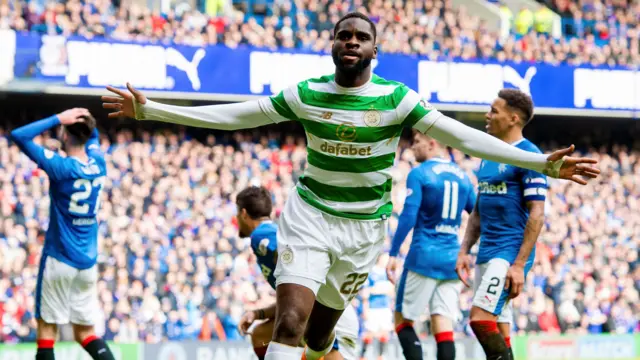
[438, 191]
[378, 283]
[503, 193]
[265, 245]
[74, 191]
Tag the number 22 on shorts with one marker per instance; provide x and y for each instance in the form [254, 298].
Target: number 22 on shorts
[353, 284]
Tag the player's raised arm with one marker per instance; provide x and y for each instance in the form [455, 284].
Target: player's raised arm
[93, 144]
[476, 143]
[245, 115]
[45, 158]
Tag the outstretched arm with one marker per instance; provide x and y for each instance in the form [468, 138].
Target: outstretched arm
[236, 116]
[476, 143]
[479, 144]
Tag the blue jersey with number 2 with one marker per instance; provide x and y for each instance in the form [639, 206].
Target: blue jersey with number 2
[503, 193]
[74, 191]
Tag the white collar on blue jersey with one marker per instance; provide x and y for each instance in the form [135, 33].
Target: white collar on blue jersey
[517, 142]
[82, 162]
[439, 159]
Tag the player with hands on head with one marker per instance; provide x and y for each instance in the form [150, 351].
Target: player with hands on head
[66, 289]
[335, 218]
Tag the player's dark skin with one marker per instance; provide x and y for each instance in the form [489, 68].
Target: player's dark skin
[297, 309]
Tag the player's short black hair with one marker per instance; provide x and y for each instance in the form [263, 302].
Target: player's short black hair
[357, 15]
[256, 201]
[519, 101]
[81, 131]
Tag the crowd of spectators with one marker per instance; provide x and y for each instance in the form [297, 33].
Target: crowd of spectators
[596, 32]
[173, 267]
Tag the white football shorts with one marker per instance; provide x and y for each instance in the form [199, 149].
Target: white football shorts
[330, 255]
[65, 294]
[489, 291]
[417, 293]
[379, 320]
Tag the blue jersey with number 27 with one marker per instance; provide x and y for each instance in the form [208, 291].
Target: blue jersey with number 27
[74, 191]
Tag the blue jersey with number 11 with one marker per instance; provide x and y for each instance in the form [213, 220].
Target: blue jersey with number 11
[438, 191]
[74, 191]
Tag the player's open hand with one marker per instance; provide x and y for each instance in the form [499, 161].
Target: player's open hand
[463, 268]
[123, 104]
[576, 169]
[392, 268]
[514, 281]
[73, 116]
[245, 322]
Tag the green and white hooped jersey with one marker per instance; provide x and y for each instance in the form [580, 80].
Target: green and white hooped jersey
[352, 138]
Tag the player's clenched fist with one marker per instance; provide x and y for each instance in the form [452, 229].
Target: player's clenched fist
[463, 268]
[124, 104]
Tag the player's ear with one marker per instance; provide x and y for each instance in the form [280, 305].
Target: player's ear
[375, 51]
[244, 213]
[515, 118]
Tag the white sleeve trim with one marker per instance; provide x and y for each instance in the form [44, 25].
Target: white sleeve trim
[535, 192]
[423, 125]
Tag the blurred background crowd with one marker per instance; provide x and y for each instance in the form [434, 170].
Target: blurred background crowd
[596, 32]
[173, 267]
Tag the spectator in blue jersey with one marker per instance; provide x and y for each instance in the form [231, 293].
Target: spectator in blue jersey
[508, 217]
[376, 308]
[254, 221]
[438, 191]
[66, 289]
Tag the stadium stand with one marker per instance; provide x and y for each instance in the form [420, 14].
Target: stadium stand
[596, 33]
[172, 266]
